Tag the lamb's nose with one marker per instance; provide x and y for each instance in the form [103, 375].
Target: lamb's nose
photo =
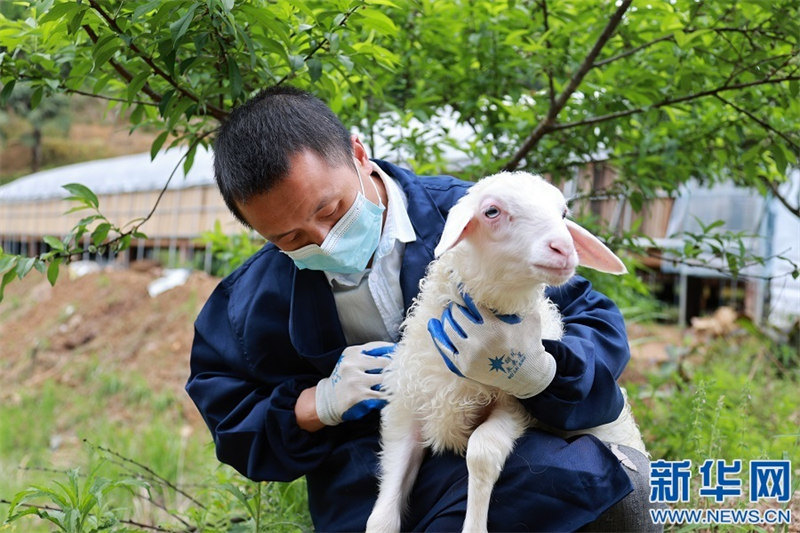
[561, 247]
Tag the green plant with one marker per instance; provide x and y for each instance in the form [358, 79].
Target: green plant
[723, 399]
[77, 506]
[63, 249]
[229, 251]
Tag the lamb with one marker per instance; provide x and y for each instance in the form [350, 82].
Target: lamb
[503, 243]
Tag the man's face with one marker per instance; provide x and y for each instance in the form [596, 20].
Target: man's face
[303, 207]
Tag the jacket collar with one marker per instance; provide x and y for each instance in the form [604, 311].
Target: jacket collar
[428, 224]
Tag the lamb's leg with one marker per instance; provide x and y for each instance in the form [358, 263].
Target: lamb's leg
[487, 451]
[401, 457]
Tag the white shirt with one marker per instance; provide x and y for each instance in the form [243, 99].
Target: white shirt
[370, 303]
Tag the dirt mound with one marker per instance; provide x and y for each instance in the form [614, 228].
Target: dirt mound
[106, 315]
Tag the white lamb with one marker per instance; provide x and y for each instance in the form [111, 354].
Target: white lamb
[503, 242]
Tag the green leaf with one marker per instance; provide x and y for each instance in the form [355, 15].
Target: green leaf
[36, 97]
[378, 21]
[105, 47]
[146, 8]
[52, 271]
[7, 277]
[158, 143]
[59, 11]
[8, 88]
[8, 262]
[136, 115]
[137, 83]
[75, 22]
[235, 78]
[82, 193]
[296, 61]
[166, 98]
[712, 226]
[24, 265]
[100, 233]
[76, 208]
[54, 243]
[780, 159]
[166, 49]
[89, 219]
[383, 3]
[124, 243]
[178, 28]
[189, 161]
[315, 68]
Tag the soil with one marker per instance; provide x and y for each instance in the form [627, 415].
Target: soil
[109, 314]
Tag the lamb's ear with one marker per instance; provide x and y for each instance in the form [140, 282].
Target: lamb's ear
[592, 253]
[455, 228]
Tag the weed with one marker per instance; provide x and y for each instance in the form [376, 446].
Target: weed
[724, 399]
[78, 506]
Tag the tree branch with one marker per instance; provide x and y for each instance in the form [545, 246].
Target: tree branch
[656, 254]
[109, 98]
[667, 102]
[149, 471]
[122, 71]
[544, 126]
[795, 210]
[320, 44]
[166, 185]
[632, 51]
[548, 46]
[66, 89]
[759, 121]
[216, 112]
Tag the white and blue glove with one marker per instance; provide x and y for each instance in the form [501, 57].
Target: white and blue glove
[354, 387]
[503, 351]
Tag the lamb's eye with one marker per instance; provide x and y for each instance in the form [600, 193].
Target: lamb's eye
[491, 212]
[564, 213]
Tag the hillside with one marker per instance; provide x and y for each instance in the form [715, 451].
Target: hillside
[108, 319]
[105, 318]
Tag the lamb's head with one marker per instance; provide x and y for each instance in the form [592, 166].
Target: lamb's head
[509, 234]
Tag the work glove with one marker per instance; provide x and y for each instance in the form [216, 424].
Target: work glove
[354, 387]
[503, 351]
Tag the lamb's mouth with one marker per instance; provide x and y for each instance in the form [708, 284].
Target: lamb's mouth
[554, 271]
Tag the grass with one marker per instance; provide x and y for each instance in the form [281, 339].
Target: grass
[729, 398]
[114, 429]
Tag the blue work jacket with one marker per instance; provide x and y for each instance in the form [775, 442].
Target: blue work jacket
[269, 331]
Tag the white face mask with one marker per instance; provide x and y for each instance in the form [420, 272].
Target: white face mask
[350, 243]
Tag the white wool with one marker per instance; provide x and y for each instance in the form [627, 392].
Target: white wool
[497, 261]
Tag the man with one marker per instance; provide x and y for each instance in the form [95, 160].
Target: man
[289, 348]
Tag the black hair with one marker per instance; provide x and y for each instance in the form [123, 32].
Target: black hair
[254, 144]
